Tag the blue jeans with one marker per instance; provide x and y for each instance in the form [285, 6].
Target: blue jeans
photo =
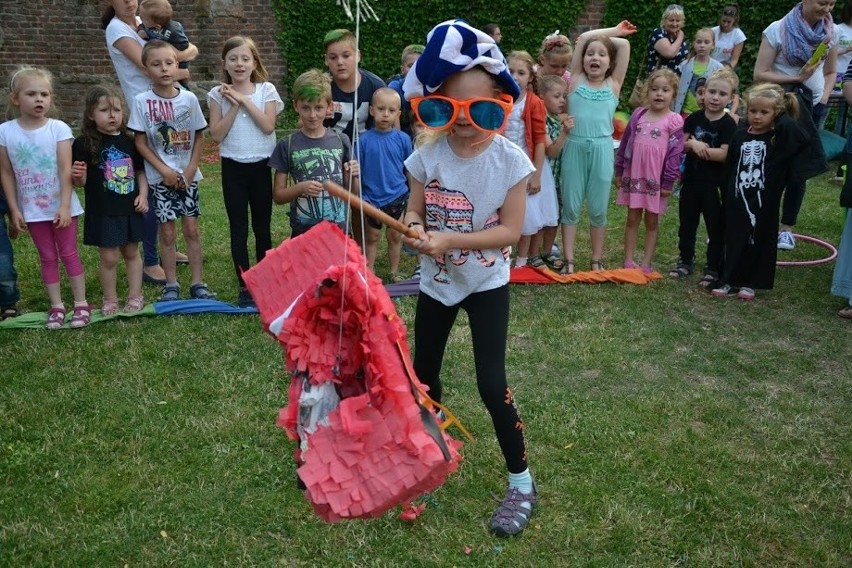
[9, 293]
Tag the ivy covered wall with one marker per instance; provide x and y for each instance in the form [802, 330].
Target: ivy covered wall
[754, 17]
[524, 24]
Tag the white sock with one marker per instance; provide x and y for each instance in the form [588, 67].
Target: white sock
[523, 481]
[519, 262]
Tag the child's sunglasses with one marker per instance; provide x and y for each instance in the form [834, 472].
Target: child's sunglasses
[436, 112]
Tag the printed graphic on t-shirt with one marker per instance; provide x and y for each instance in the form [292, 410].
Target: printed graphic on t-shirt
[750, 178]
[318, 164]
[36, 176]
[119, 175]
[709, 136]
[173, 133]
[451, 210]
[343, 115]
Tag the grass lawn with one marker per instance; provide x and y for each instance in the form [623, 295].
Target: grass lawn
[665, 428]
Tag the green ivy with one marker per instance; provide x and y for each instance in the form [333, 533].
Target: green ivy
[646, 16]
[524, 24]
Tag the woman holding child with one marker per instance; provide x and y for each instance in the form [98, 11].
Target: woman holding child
[124, 45]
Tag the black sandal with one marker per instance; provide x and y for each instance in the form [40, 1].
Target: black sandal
[567, 267]
[9, 312]
[681, 271]
[708, 280]
[599, 263]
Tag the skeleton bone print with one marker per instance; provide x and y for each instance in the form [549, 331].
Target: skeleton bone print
[751, 178]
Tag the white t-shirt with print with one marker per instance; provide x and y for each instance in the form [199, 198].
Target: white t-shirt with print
[170, 125]
[464, 195]
[245, 142]
[725, 43]
[33, 156]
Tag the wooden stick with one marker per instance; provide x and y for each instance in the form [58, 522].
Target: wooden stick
[357, 203]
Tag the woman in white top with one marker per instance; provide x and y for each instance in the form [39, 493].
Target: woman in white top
[124, 45]
[786, 47]
[730, 39]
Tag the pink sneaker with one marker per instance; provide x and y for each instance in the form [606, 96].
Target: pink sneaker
[746, 294]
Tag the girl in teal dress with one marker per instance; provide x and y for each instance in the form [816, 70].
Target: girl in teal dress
[588, 157]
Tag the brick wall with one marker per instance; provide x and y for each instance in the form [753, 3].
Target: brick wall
[591, 17]
[65, 36]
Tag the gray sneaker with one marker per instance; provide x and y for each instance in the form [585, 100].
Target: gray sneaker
[513, 514]
[786, 241]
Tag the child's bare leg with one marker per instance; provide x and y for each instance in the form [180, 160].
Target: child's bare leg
[652, 225]
[598, 236]
[374, 235]
[167, 250]
[133, 266]
[535, 244]
[524, 246]
[548, 238]
[394, 239]
[189, 227]
[631, 234]
[78, 289]
[54, 294]
[107, 272]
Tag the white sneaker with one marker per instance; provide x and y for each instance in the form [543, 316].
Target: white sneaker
[724, 290]
[746, 294]
[786, 241]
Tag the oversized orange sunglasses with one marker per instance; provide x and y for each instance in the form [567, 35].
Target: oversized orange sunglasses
[437, 112]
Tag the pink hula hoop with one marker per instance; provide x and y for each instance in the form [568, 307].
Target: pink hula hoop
[827, 246]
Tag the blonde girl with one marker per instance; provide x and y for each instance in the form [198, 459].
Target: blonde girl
[554, 56]
[526, 128]
[243, 112]
[587, 160]
[110, 168]
[761, 159]
[35, 172]
[648, 164]
[481, 180]
[699, 66]
[559, 123]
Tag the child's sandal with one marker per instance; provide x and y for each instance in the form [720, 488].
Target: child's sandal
[55, 318]
[109, 307]
[8, 312]
[134, 304]
[81, 317]
[555, 262]
[596, 262]
[200, 291]
[567, 267]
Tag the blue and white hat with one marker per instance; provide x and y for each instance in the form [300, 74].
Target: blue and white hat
[451, 47]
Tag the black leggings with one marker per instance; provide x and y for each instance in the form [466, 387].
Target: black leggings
[244, 186]
[697, 200]
[488, 313]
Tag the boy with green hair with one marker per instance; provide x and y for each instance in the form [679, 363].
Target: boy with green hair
[342, 57]
[311, 155]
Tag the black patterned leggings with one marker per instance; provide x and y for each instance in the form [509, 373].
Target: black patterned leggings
[488, 313]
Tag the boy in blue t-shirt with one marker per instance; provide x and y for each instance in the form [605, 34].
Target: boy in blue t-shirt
[383, 151]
